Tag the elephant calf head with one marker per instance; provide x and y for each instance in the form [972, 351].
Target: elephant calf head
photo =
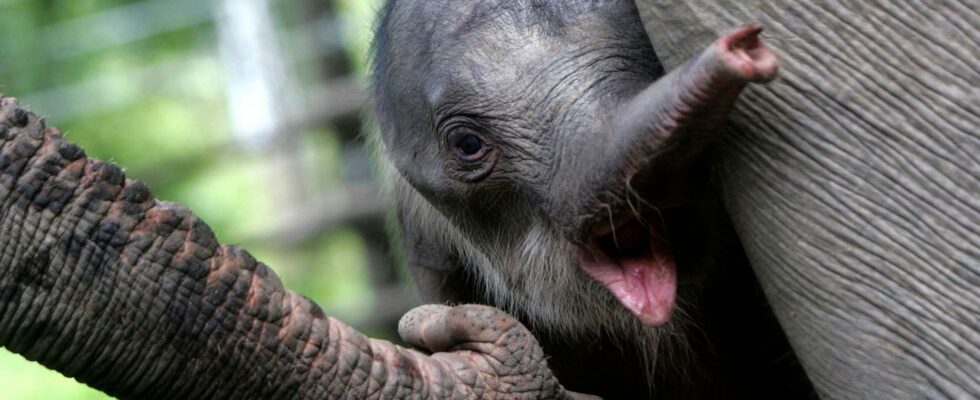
[544, 164]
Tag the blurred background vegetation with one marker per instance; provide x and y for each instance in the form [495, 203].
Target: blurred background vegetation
[247, 111]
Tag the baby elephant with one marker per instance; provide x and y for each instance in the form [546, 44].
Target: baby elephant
[543, 163]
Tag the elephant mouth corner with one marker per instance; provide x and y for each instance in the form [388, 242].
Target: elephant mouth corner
[632, 258]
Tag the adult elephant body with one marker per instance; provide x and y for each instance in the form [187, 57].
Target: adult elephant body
[853, 183]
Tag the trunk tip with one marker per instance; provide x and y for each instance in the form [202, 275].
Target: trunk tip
[746, 56]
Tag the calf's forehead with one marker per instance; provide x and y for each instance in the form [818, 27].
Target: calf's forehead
[424, 28]
[487, 46]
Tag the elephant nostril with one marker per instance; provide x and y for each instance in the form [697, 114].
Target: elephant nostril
[747, 56]
[746, 38]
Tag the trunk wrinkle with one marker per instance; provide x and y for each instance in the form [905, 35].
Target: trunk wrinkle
[138, 299]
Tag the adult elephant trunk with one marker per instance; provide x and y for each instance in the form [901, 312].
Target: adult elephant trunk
[136, 298]
[853, 183]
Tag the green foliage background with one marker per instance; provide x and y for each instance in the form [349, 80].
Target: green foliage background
[167, 126]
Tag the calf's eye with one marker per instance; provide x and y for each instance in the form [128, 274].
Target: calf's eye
[469, 145]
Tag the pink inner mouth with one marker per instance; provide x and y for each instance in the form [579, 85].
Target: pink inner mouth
[635, 263]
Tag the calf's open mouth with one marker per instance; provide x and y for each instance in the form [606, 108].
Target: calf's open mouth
[632, 258]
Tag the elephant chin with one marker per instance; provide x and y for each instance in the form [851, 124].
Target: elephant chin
[135, 297]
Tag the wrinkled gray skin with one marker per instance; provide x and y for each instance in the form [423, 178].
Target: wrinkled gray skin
[854, 184]
[135, 297]
[573, 133]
